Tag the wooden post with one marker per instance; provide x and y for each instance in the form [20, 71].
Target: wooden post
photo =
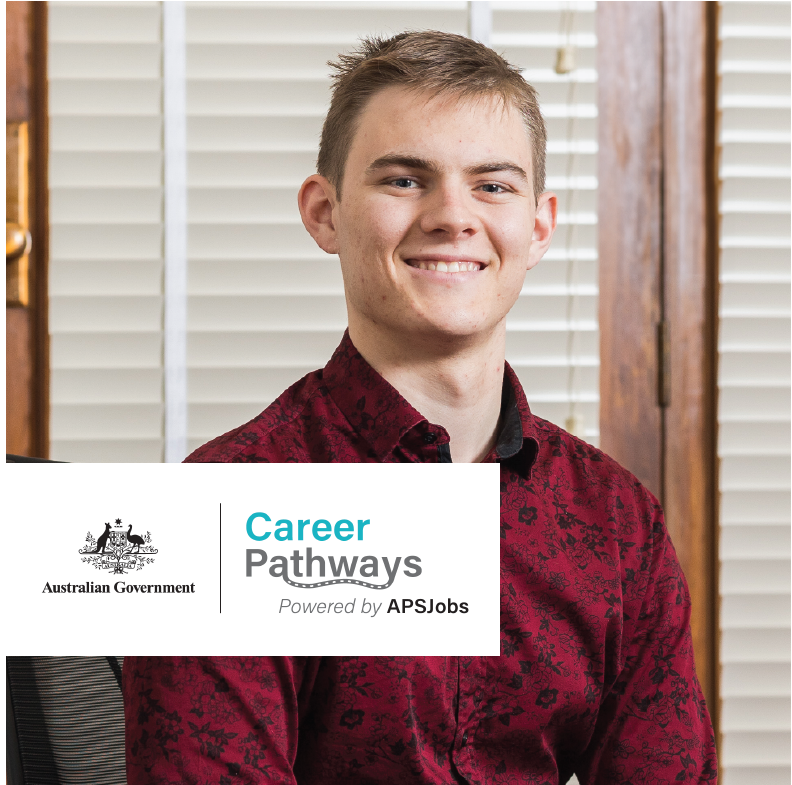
[690, 267]
[630, 234]
[658, 277]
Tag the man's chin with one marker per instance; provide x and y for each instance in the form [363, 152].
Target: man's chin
[431, 327]
[451, 332]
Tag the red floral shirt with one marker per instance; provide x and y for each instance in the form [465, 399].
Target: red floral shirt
[595, 674]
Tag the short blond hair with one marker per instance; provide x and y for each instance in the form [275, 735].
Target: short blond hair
[432, 62]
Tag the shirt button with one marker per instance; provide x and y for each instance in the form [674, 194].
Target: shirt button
[430, 438]
[464, 738]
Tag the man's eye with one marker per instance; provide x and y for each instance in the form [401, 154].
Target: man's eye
[404, 182]
[493, 188]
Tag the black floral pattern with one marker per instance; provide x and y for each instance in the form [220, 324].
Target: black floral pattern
[596, 671]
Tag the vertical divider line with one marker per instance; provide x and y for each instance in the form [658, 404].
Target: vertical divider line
[174, 111]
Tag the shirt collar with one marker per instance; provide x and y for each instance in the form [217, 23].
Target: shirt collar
[381, 415]
[517, 441]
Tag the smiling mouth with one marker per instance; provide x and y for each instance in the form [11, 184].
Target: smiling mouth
[445, 267]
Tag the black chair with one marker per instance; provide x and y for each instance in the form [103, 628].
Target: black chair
[64, 721]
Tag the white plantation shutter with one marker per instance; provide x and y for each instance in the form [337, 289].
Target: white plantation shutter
[106, 236]
[553, 337]
[266, 305]
[754, 381]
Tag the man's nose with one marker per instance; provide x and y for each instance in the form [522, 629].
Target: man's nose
[448, 210]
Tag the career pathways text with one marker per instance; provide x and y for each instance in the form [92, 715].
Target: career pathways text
[321, 569]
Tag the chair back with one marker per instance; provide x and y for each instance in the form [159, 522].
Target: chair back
[65, 721]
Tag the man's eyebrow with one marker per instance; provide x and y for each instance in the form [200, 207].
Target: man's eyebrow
[426, 165]
[407, 161]
[497, 166]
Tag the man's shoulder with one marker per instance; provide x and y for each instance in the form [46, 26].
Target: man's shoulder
[274, 436]
[588, 469]
[599, 513]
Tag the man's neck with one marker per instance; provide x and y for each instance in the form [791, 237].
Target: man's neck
[455, 383]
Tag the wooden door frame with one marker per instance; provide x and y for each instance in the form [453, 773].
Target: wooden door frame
[658, 258]
[27, 328]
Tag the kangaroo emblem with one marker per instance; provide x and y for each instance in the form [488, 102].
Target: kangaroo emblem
[101, 542]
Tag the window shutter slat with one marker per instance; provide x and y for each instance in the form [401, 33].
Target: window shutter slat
[754, 373]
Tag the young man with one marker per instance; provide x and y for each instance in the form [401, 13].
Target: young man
[431, 191]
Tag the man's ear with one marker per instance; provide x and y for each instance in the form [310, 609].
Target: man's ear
[317, 200]
[544, 226]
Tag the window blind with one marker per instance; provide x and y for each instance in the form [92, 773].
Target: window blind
[265, 304]
[552, 332]
[754, 382]
[106, 231]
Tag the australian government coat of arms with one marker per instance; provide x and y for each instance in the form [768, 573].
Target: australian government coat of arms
[118, 550]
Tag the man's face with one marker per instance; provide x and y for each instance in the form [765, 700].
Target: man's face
[437, 221]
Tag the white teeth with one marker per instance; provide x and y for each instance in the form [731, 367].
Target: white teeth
[448, 267]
